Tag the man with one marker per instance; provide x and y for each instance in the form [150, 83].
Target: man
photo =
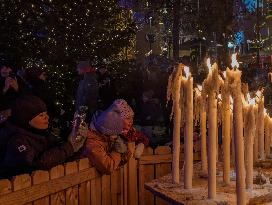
[87, 92]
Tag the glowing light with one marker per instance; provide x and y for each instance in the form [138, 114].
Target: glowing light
[187, 71]
[209, 64]
[225, 74]
[231, 100]
[251, 101]
[259, 94]
[199, 87]
[234, 62]
[219, 97]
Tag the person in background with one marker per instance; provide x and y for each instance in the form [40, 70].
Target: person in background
[27, 143]
[106, 88]
[87, 91]
[152, 121]
[129, 133]
[103, 147]
[9, 88]
[36, 84]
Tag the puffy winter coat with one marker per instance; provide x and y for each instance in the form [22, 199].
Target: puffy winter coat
[26, 151]
[100, 151]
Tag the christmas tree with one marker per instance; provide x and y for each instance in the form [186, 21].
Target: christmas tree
[53, 34]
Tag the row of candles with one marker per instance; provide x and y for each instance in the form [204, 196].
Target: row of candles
[244, 120]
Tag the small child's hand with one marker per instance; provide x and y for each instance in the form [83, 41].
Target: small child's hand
[139, 150]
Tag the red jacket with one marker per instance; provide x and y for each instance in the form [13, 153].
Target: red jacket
[136, 136]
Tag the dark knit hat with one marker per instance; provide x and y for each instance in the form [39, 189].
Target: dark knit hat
[34, 72]
[25, 108]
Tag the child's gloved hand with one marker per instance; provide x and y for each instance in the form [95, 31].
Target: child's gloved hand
[120, 145]
[139, 150]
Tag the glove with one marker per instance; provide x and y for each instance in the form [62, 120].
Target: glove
[78, 141]
[120, 145]
[139, 150]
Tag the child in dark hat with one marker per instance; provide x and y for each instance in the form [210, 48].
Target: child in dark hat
[28, 147]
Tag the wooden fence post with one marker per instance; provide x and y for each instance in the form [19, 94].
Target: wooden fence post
[39, 177]
[146, 174]
[58, 198]
[85, 187]
[71, 193]
[21, 182]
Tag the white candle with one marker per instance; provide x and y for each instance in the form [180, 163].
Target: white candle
[234, 77]
[188, 143]
[174, 90]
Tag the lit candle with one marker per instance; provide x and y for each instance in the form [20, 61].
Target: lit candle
[203, 131]
[174, 90]
[211, 87]
[267, 134]
[249, 131]
[226, 129]
[187, 82]
[260, 100]
[234, 78]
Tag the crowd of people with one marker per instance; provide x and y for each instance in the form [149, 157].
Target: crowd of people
[26, 110]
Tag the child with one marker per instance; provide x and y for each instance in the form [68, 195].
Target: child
[129, 133]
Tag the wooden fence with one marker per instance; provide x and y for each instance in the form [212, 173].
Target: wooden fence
[78, 183]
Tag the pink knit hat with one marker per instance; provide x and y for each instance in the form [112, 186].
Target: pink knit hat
[123, 107]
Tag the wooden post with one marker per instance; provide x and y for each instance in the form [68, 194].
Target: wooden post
[71, 193]
[57, 198]
[39, 177]
[132, 178]
[85, 187]
[21, 182]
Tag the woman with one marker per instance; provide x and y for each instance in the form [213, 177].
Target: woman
[28, 146]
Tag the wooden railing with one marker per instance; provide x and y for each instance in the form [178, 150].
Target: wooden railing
[78, 183]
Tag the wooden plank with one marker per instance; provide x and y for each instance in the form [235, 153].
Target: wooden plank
[132, 178]
[164, 158]
[146, 174]
[125, 177]
[85, 187]
[21, 182]
[58, 198]
[39, 177]
[5, 186]
[96, 191]
[162, 169]
[106, 188]
[121, 196]
[115, 187]
[71, 194]
[47, 188]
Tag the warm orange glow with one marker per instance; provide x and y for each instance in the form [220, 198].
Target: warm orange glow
[199, 87]
[234, 62]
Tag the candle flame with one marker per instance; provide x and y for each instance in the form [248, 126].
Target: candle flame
[187, 71]
[199, 87]
[209, 64]
[225, 74]
[259, 93]
[231, 100]
[234, 62]
[251, 101]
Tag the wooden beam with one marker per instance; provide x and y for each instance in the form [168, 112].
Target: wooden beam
[35, 192]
